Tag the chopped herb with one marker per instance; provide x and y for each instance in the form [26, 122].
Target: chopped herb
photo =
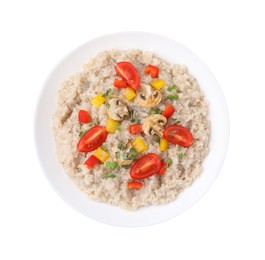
[118, 128]
[180, 156]
[109, 175]
[173, 96]
[125, 156]
[171, 88]
[122, 145]
[179, 148]
[176, 122]
[96, 122]
[126, 166]
[104, 147]
[154, 111]
[138, 121]
[111, 165]
[158, 140]
[170, 134]
[107, 93]
[82, 133]
[169, 162]
[107, 105]
[132, 116]
[117, 154]
[133, 152]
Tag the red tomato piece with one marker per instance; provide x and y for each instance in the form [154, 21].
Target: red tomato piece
[152, 70]
[168, 111]
[91, 161]
[129, 73]
[162, 170]
[92, 139]
[146, 166]
[84, 116]
[135, 129]
[120, 83]
[134, 185]
[177, 134]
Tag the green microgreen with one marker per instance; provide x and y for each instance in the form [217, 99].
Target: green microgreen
[154, 111]
[125, 156]
[117, 154]
[180, 156]
[168, 163]
[82, 133]
[109, 175]
[118, 128]
[126, 166]
[133, 152]
[157, 139]
[107, 93]
[176, 122]
[104, 147]
[94, 122]
[171, 88]
[173, 96]
[111, 165]
[122, 145]
[132, 116]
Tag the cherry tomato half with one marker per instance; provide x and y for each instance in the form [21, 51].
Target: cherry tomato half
[128, 72]
[146, 166]
[92, 139]
[177, 134]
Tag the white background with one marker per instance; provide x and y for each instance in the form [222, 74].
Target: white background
[227, 223]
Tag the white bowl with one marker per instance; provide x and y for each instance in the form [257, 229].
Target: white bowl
[172, 52]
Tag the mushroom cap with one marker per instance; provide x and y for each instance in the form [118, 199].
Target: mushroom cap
[117, 109]
[120, 159]
[148, 97]
[154, 124]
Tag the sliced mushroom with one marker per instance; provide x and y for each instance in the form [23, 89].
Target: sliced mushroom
[121, 152]
[117, 109]
[154, 124]
[148, 97]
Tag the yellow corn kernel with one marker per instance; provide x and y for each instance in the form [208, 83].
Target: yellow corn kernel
[111, 125]
[139, 145]
[158, 84]
[101, 154]
[163, 144]
[129, 93]
[98, 100]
